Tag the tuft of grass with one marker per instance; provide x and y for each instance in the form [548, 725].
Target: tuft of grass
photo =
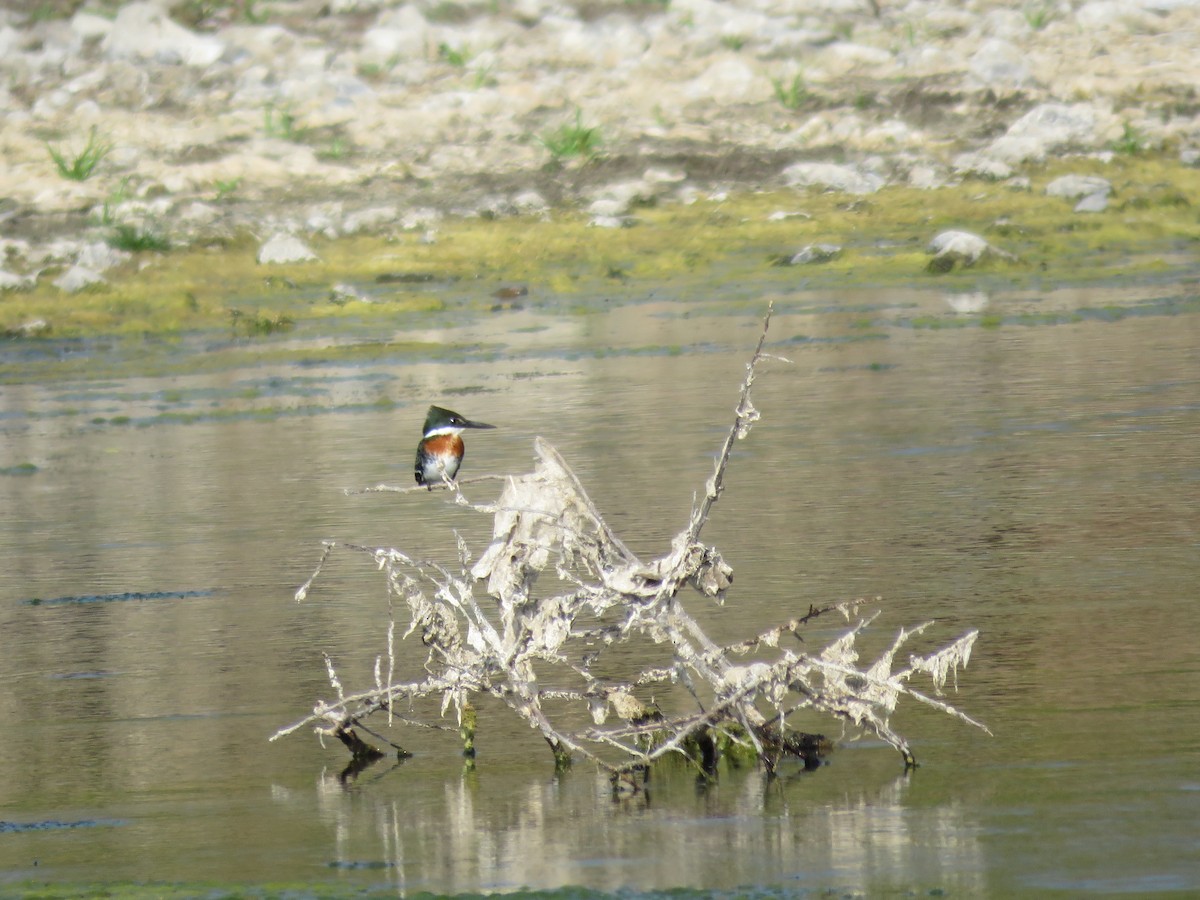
[251, 13]
[573, 139]
[116, 197]
[734, 42]
[136, 240]
[1131, 142]
[336, 150]
[1038, 15]
[256, 325]
[280, 123]
[791, 94]
[225, 187]
[46, 12]
[482, 77]
[455, 56]
[80, 166]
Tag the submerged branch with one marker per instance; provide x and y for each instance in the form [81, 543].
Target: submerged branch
[501, 641]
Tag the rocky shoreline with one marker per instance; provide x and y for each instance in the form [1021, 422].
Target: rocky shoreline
[340, 117]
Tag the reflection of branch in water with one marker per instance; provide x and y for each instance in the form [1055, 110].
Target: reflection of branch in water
[503, 644]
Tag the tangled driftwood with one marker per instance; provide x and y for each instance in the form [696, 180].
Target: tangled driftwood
[524, 629]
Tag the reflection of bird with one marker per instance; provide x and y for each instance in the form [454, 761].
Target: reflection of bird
[441, 448]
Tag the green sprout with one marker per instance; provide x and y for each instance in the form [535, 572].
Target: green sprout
[791, 94]
[118, 196]
[573, 139]
[1131, 142]
[482, 77]
[336, 150]
[1038, 15]
[226, 187]
[456, 56]
[280, 123]
[81, 166]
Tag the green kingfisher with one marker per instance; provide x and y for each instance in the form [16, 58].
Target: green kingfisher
[441, 448]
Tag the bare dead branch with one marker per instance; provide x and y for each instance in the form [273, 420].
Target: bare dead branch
[490, 629]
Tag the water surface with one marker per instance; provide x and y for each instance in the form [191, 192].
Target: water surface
[1029, 470]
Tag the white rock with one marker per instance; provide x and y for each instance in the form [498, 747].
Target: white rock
[612, 222]
[342, 293]
[1008, 151]
[78, 278]
[962, 242]
[946, 20]
[1000, 64]
[1046, 128]
[814, 254]
[1097, 202]
[323, 219]
[729, 79]
[97, 256]
[197, 213]
[284, 248]
[420, 218]
[1072, 186]
[369, 219]
[11, 282]
[144, 31]
[10, 42]
[627, 193]
[832, 177]
[89, 25]
[1009, 24]
[1116, 15]
[529, 202]
[664, 176]
[32, 328]
[398, 34]
[925, 177]
[608, 207]
[843, 57]
[268, 43]
[1056, 125]
[953, 249]
[782, 215]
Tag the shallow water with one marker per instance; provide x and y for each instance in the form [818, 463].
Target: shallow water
[1030, 470]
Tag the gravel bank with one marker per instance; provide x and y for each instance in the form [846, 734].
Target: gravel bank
[340, 117]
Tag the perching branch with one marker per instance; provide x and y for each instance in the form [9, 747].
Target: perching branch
[494, 629]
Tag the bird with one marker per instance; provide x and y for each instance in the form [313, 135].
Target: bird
[441, 448]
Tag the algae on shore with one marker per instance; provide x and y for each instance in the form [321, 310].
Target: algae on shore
[1148, 231]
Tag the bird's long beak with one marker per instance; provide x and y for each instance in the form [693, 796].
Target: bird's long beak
[477, 425]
